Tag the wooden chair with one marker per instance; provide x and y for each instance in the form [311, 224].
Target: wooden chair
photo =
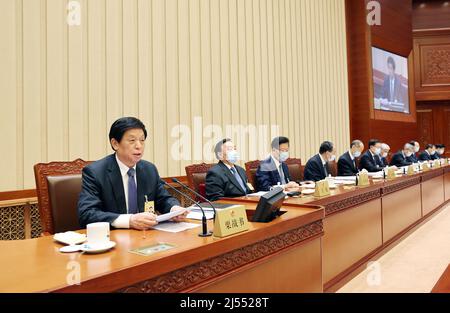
[250, 169]
[333, 168]
[58, 185]
[295, 169]
[196, 176]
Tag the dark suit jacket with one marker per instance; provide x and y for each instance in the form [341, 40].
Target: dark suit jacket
[346, 166]
[425, 156]
[399, 160]
[371, 164]
[102, 197]
[384, 161]
[314, 169]
[413, 158]
[220, 182]
[436, 156]
[267, 174]
[399, 92]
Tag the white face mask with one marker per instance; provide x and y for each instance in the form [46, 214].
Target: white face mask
[384, 155]
[377, 151]
[284, 156]
[433, 152]
[408, 154]
[441, 152]
[357, 154]
[232, 156]
[416, 149]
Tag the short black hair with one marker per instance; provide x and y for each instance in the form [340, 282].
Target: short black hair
[120, 126]
[218, 147]
[440, 146]
[277, 141]
[373, 142]
[326, 146]
[428, 146]
[391, 61]
[413, 142]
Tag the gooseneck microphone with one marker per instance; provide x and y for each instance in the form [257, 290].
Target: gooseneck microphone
[175, 180]
[205, 232]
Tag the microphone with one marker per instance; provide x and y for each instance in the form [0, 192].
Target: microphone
[205, 232]
[175, 180]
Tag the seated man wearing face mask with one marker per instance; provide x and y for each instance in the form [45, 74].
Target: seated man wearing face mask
[401, 158]
[370, 160]
[347, 163]
[416, 147]
[384, 154]
[428, 153]
[226, 179]
[273, 171]
[440, 150]
[316, 168]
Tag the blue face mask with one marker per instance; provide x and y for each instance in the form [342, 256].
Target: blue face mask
[357, 154]
[284, 156]
[232, 156]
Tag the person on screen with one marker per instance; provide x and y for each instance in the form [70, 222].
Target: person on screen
[393, 91]
[428, 153]
[114, 188]
[317, 167]
[416, 148]
[347, 161]
[384, 154]
[401, 158]
[273, 171]
[370, 160]
[440, 150]
[226, 179]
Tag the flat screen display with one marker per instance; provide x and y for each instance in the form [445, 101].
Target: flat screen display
[390, 81]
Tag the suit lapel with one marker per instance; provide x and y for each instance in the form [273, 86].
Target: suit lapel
[116, 182]
[275, 172]
[231, 176]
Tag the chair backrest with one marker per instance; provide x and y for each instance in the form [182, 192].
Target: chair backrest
[250, 169]
[45, 175]
[295, 169]
[333, 168]
[196, 176]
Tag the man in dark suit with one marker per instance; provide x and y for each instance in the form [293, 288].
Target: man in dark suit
[273, 170]
[401, 158]
[416, 148]
[428, 153]
[384, 154]
[317, 168]
[347, 163]
[440, 150]
[114, 188]
[393, 91]
[370, 160]
[226, 179]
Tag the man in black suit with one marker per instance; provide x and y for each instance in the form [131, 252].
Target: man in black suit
[273, 170]
[226, 179]
[428, 153]
[440, 150]
[370, 160]
[317, 168]
[402, 157]
[114, 188]
[384, 154]
[393, 91]
[416, 148]
[346, 163]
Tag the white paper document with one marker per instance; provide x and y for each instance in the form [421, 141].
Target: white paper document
[198, 215]
[174, 227]
[168, 216]
[257, 194]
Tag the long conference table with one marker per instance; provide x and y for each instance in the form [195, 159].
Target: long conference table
[310, 248]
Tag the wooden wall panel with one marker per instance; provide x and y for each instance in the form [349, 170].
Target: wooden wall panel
[180, 65]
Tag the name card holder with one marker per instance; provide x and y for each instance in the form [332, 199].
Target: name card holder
[425, 167]
[322, 189]
[437, 164]
[410, 170]
[363, 179]
[390, 174]
[230, 221]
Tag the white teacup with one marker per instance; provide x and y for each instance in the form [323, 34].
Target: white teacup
[98, 233]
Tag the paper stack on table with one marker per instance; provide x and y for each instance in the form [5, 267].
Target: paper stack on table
[174, 227]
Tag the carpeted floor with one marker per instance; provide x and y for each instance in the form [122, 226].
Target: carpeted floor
[413, 265]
